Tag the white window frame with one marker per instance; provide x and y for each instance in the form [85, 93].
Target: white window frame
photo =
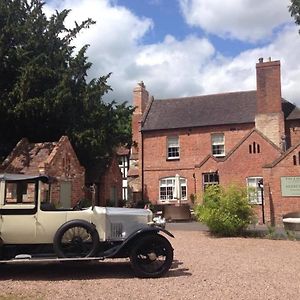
[169, 184]
[218, 140]
[254, 192]
[173, 147]
[212, 182]
[124, 165]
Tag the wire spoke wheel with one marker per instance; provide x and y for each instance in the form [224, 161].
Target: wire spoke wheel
[152, 256]
[76, 238]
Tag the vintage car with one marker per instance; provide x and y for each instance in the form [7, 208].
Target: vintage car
[32, 230]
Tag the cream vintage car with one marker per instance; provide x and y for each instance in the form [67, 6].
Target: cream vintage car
[31, 230]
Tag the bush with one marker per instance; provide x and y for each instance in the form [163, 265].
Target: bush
[226, 212]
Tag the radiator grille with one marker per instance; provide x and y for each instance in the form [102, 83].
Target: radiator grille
[116, 230]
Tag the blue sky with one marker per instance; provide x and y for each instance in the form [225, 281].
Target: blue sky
[186, 47]
[169, 20]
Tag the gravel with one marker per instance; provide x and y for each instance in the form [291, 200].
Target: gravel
[204, 267]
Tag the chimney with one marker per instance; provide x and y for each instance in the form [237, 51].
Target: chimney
[269, 118]
[140, 98]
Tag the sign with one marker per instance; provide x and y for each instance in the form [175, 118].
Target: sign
[290, 186]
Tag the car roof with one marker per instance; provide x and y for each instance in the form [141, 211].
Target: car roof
[17, 177]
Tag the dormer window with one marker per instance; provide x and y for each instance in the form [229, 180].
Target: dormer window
[218, 144]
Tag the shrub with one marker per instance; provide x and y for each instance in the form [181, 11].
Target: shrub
[226, 212]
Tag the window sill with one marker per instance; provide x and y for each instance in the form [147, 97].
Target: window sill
[171, 201]
[171, 158]
[218, 155]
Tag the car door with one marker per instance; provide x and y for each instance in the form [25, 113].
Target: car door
[18, 212]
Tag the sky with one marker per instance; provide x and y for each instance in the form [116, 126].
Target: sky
[182, 48]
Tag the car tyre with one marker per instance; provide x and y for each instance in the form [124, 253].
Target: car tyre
[151, 256]
[76, 238]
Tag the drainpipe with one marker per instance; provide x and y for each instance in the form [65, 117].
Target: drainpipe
[195, 185]
[261, 186]
[142, 173]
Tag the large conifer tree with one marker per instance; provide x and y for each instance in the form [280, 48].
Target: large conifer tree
[44, 92]
[294, 9]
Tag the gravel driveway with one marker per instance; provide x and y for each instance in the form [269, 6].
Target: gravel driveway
[204, 268]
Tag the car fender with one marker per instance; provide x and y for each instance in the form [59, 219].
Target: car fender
[113, 252]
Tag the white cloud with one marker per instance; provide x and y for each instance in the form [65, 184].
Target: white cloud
[247, 20]
[113, 40]
[238, 73]
[174, 68]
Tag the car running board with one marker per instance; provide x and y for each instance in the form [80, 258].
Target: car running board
[28, 259]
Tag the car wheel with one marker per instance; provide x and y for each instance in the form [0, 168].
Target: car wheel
[151, 256]
[76, 238]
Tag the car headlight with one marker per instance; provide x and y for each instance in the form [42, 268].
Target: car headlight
[150, 216]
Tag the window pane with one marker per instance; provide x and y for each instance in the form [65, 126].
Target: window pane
[210, 179]
[173, 141]
[218, 144]
[173, 152]
[167, 187]
[183, 192]
[217, 138]
[19, 192]
[254, 192]
[173, 147]
[218, 149]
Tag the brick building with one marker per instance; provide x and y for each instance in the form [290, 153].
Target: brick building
[109, 189]
[55, 159]
[240, 137]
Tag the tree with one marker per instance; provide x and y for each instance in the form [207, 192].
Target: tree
[294, 9]
[44, 92]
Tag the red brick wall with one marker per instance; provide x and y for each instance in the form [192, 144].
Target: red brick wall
[268, 87]
[293, 132]
[111, 179]
[241, 164]
[276, 204]
[195, 145]
[269, 118]
[66, 167]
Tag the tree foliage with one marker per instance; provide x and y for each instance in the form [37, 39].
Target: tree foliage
[294, 9]
[44, 92]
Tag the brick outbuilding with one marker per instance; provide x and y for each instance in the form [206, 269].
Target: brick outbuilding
[55, 159]
[216, 139]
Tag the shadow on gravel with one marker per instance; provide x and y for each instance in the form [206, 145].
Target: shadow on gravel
[176, 270]
[77, 271]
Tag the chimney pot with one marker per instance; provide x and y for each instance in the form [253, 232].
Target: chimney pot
[261, 60]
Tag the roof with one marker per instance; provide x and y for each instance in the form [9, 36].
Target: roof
[29, 158]
[282, 157]
[210, 110]
[17, 177]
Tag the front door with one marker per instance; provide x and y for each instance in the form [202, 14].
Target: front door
[65, 194]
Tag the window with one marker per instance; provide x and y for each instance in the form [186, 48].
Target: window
[254, 192]
[218, 144]
[173, 147]
[254, 148]
[124, 165]
[210, 179]
[167, 188]
[20, 192]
